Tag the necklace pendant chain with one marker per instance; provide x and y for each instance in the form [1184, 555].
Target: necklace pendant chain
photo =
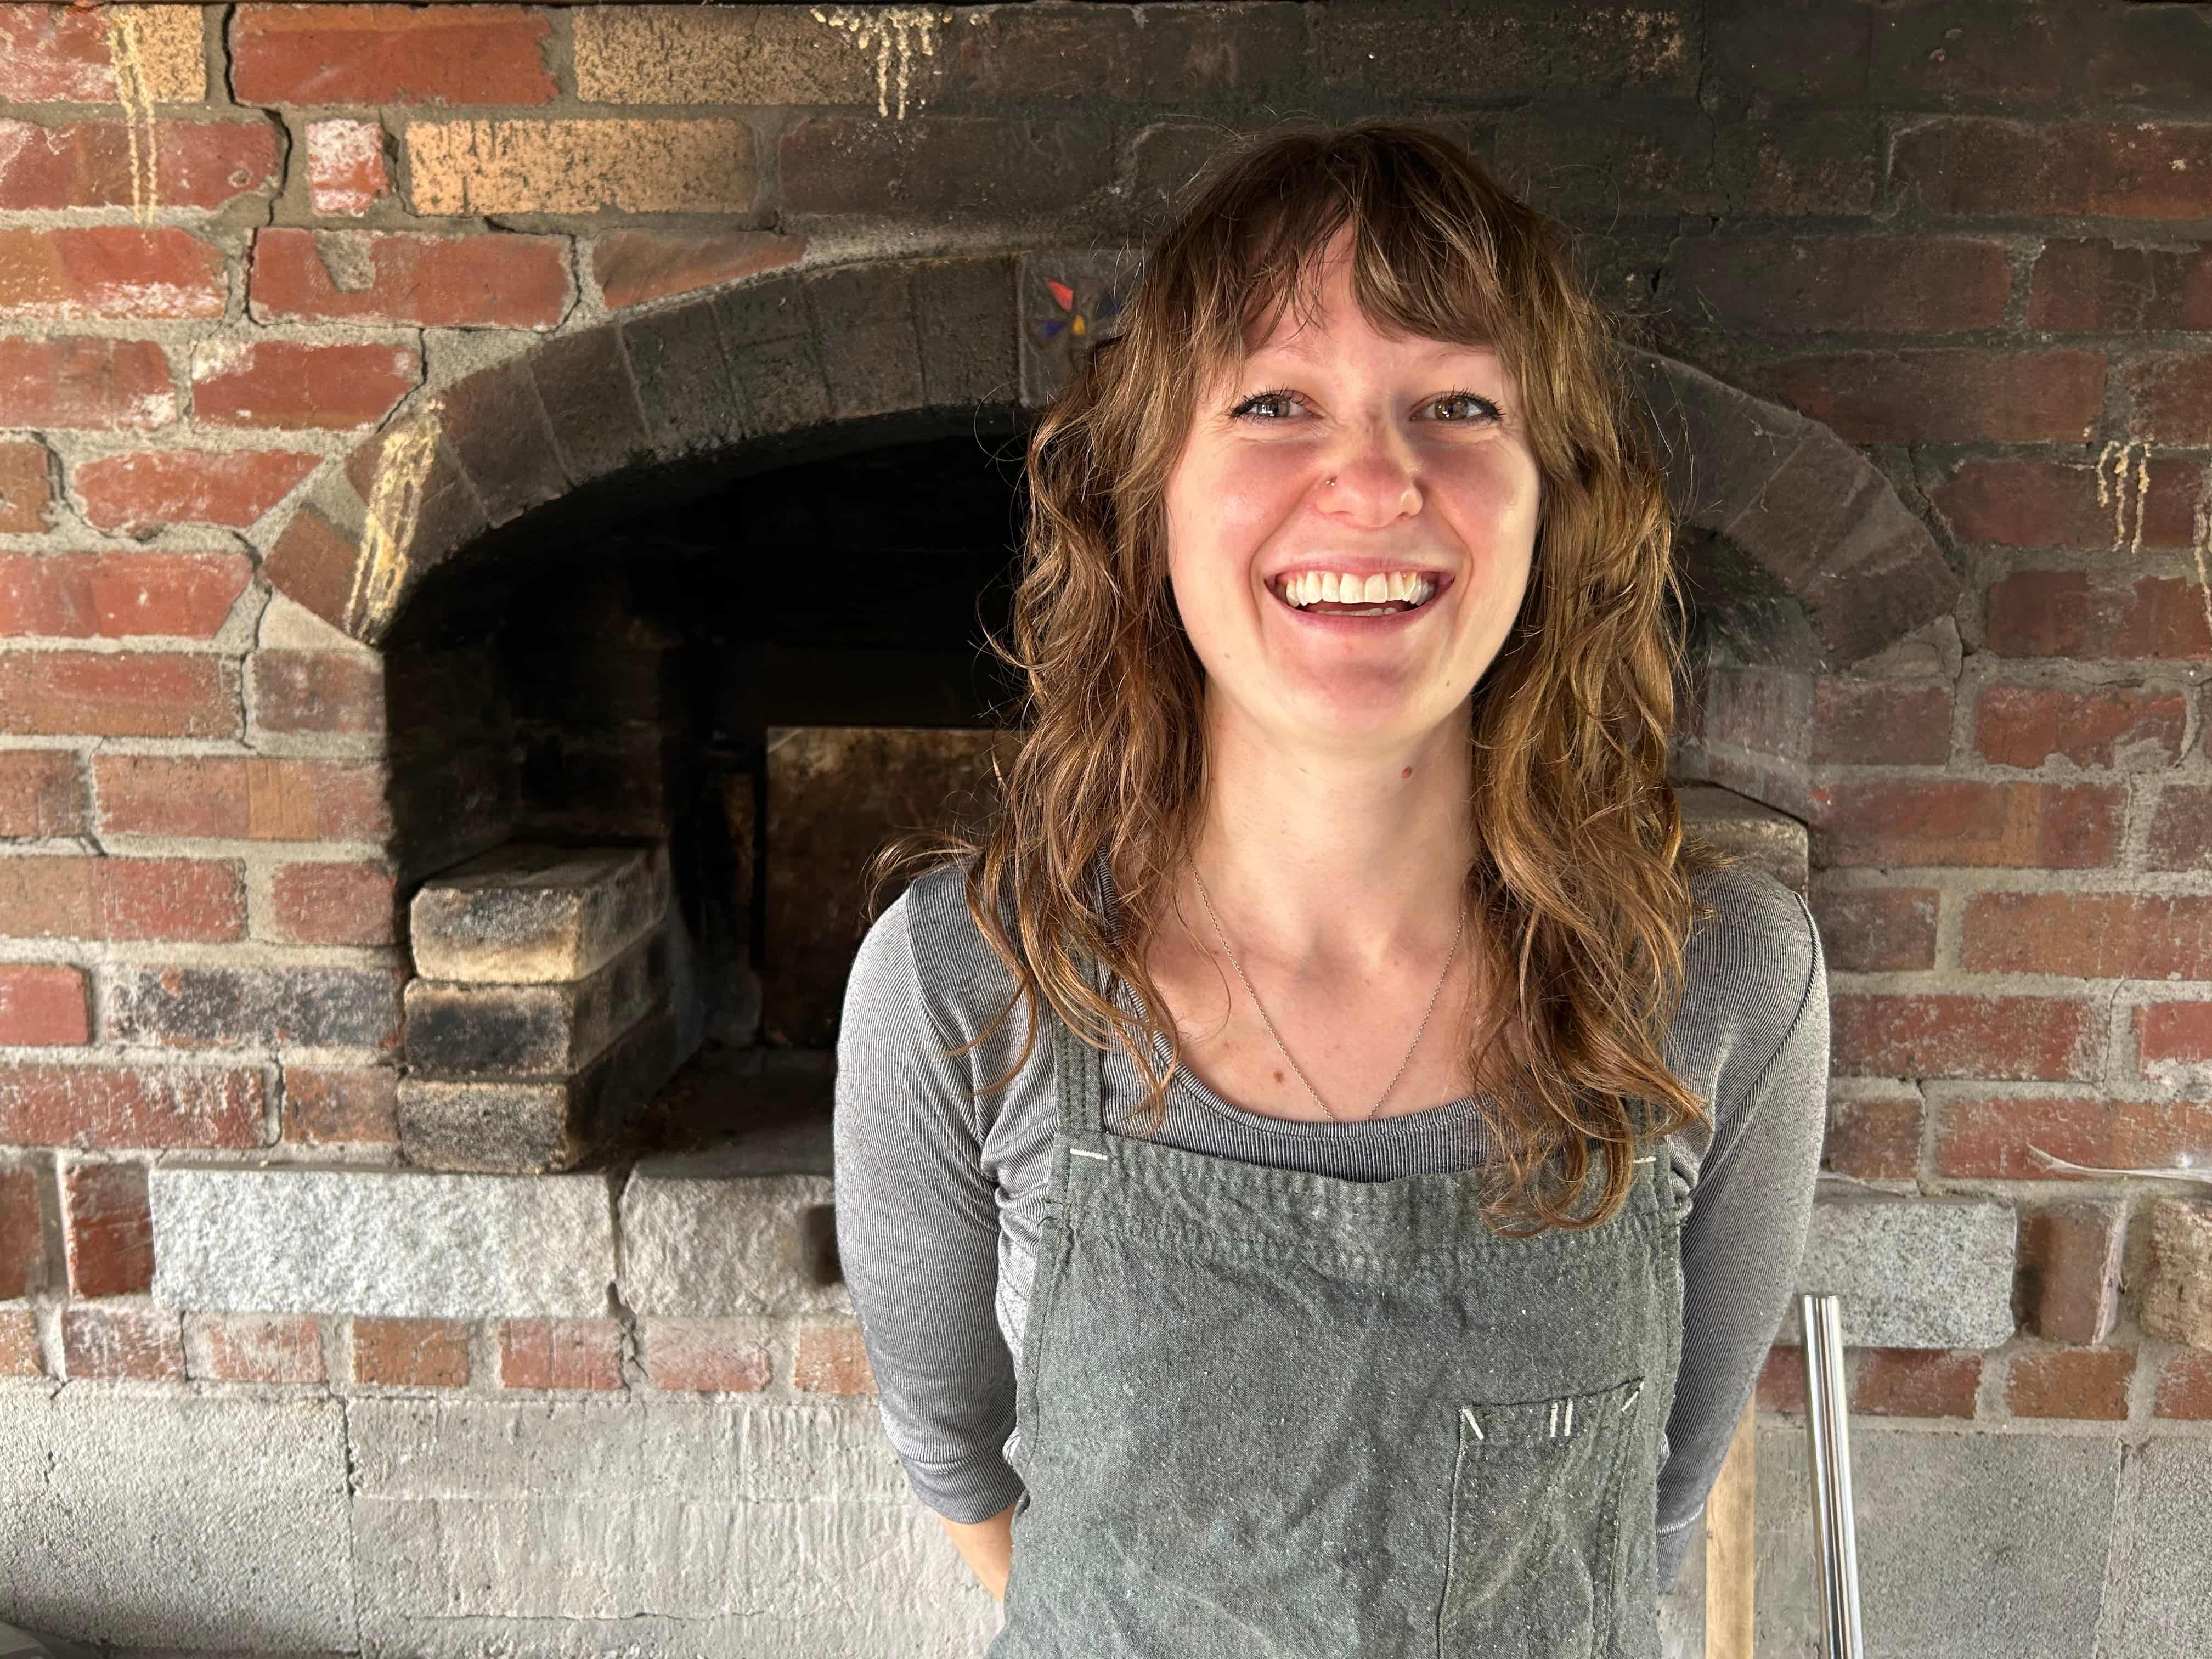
[1270, 1023]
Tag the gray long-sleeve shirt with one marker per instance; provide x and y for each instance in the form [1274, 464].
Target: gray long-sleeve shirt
[940, 1190]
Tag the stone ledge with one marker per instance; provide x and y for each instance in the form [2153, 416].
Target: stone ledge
[381, 1241]
[702, 1245]
[1910, 1272]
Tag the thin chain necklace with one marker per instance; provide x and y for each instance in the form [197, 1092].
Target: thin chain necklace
[1272, 1032]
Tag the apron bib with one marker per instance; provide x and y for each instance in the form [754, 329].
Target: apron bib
[1269, 1414]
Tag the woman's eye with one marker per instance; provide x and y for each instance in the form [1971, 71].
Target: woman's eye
[1486, 409]
[1482, 407]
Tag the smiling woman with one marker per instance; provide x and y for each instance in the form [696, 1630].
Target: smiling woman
[1349, 621]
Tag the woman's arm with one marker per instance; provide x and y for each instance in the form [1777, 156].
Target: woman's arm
[1749, 1214]
[987, 1546]
[917, 1231]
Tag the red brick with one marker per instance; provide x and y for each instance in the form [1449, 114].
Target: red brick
[1954, 394]
[1877, 930]
[634, 266]
[328, 693]
[2184, 1386]
[2022, 503]
[2058, 613]
[831, 1359]
[351, 1103]
[180, 899]
[107, 1229]
[2069, 1270]
[1873, 1138]
[2181, 828]
[2076, 1382]
[2177, 1291]
[1963, 1036]
[88, 382]
[2088, 935]
[706, 1356]
[1765, 710]
[413, 1353]
[76, 272]
[41, 793]
[1781, 1385]
[25, 487]
[184, 900]
[18, 1343]
[495, 279]
[295, 384]
[240, 797]
[42, 1005]
[139, 492]
[226, 1008]
[90, 164]
[253, 1347]
[560, 1353]
[22, 1235]
[314, 563]
[373, 54]
[1963, 821]
[347, 172]
[1872, 723]
[327, 903]
[2167, 1032]
[2097, 286]
[2169, 394]
[1991, 1139]
[114, 595]
[1914, 1382]
[1993, 167]
[109, 1107]
[64, 54]
[2026, 724]
[143, 1343]
[1919, 285]
[123, 694]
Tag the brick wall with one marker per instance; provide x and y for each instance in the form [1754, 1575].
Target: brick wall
[244, 250]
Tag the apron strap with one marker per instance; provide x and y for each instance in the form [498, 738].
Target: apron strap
[1080, 1071]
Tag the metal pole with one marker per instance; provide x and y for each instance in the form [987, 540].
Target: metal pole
[1827, 1424]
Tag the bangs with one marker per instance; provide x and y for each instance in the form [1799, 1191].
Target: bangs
[1423, 256]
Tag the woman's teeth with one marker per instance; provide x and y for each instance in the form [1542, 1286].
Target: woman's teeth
[1326, 593]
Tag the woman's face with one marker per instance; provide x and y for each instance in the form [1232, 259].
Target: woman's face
[1433, 475]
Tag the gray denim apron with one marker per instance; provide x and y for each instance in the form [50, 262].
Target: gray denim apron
[1262, 1412]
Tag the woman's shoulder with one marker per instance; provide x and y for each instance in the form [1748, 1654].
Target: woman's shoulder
[1760, 939]
[1754, 983]
[954, 968]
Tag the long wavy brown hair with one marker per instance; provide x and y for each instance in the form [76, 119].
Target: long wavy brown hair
[1580, 880]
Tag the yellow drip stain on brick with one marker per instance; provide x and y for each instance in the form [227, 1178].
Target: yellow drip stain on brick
[127, 56]
[395, 506]
[880, 27]
[2118, 497]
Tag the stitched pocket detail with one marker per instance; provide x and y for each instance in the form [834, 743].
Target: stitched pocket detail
[1536, 1502]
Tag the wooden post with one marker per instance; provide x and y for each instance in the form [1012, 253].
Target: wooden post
[1727, 1544]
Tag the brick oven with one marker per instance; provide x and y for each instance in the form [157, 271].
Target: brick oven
[498, 509]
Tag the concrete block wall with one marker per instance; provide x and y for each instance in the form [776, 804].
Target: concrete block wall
[295, 301]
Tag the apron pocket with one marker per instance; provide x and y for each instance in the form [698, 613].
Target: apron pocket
[1536, 1505]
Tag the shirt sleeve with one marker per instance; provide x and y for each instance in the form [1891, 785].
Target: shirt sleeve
[1741, 1244]
[917, 1221]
